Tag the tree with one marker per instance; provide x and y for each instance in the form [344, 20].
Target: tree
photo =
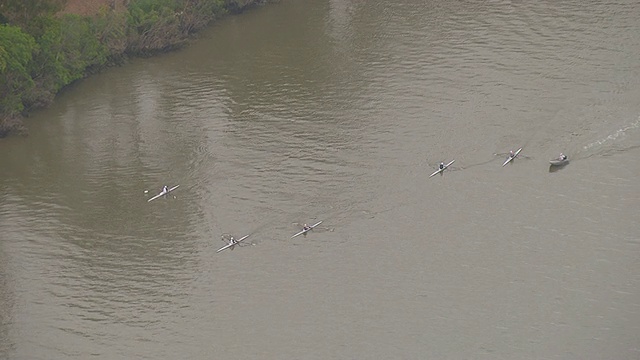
[16, 51]
[20, 12]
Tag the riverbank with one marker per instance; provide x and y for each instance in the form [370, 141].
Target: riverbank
[46, 48]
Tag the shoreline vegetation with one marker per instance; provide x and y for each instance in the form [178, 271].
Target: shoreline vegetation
[46, 45]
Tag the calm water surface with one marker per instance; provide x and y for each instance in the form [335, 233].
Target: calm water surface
[338, 110]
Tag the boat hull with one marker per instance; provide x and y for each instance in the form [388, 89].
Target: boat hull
[559, 162]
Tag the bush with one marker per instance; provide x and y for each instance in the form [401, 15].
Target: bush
[196, 14]
[81, 46]
[111, 31]
[156, 25]
[67, 47]
[22, 12]
[16, 51]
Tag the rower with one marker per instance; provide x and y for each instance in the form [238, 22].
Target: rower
[230, 241]
[563, 156]
[306, 227]
[165, 189]
[511, 154]
[441, 165]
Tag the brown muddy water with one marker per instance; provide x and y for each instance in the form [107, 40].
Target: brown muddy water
[303, 111]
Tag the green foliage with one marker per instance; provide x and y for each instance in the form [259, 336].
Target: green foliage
[161, 24]
[145, 14]
[67, 47]
[153, 25]
[142, 22]
[237, 6]
[3, 59]
[46, 52]
[16, 49]
[22, 12]
[47, 65]
[196, 14]
[110, 30]
[150, 6]
[209, 8]
[81, 47]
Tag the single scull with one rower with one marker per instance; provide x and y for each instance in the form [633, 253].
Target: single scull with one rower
[304, 231]
[162, 193]
[512, 157]
[232, 243]
[441, 170]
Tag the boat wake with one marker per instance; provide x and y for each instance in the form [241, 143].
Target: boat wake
[619, 134]
[617, 141]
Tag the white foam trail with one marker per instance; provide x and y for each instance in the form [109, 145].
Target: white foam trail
[620, 133]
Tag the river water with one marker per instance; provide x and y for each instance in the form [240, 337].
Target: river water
[338, 110]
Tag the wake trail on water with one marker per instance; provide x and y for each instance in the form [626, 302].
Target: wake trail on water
[625, 138]
[614, 142]
[495, 158]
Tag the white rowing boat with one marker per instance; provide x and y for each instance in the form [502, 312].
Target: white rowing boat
[512, 157]
[304, 231]
[233, 242]
[559, 161]
[162, 193]
[441, 170]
